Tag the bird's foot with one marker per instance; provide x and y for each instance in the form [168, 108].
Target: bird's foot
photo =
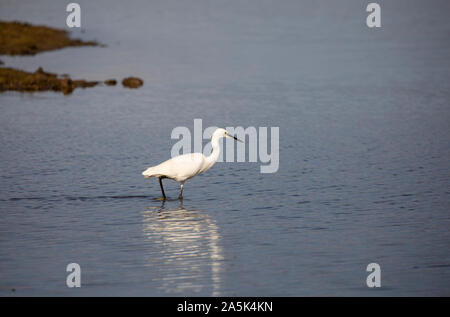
[161, 198]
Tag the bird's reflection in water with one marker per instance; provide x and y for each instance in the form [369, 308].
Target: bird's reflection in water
[184, 249]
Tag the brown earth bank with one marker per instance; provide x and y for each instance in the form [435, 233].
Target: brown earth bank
[18, 80]
[18, 38]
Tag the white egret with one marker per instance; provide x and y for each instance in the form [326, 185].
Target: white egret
[183, 167]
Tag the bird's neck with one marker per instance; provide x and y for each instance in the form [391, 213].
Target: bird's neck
[212, 158]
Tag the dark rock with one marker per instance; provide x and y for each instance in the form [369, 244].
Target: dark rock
[132, 82]
[84, 83]
[110, 82]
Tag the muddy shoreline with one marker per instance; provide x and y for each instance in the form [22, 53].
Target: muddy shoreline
[18, 80]
[24, 39]
[19, 38]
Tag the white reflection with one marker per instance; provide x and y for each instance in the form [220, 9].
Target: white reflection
[184, 249]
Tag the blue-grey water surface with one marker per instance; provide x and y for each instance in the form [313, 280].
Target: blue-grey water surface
[364, 148]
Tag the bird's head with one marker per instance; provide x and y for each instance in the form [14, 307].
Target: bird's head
[222, 133]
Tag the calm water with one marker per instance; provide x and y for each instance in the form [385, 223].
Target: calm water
[364, 149]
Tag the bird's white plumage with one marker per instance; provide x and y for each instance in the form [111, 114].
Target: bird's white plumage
[184, 167]
[179, 168]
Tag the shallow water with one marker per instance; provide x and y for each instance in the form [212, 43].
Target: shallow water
[364, 148]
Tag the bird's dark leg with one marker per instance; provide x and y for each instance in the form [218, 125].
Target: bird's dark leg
[181, 191]
[162, 188]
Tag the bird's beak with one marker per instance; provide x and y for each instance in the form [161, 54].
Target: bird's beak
[233, 137]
